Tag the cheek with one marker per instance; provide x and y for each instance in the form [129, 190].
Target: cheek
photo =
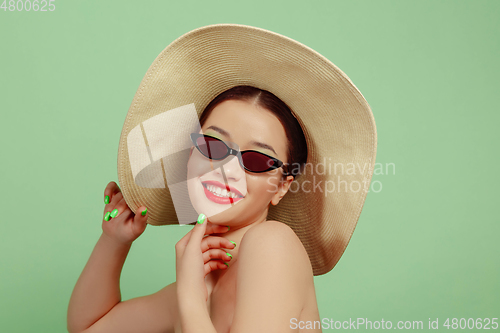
[192, 177]
[191, 165]
[197, 165]
[263, 186]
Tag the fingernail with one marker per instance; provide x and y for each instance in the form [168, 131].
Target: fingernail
[228, 228]
[107, 216]
[226, 264]
[144, 212]
[106, 200]
[201, 218]
[229, 255]
[233, 243]
[114, 213]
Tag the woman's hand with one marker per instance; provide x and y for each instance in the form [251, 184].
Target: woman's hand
[119, 223]
[196, 256]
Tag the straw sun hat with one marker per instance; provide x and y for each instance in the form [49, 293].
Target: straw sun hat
[324, 203]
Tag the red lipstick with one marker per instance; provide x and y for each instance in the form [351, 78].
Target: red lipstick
[221, 200]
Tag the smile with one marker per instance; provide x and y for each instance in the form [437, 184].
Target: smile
[221, 194]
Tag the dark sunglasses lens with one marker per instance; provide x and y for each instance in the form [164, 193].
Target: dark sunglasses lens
[256, 162]
[211, 148]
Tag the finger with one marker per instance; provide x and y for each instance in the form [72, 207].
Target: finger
[111, 190]
[124, 214]
[197, 233]
[216, 242]
[111, 205]
[117, 197]
[216, 254]
[139, 222]
[216, 229]
[212, 265]
[184, 240]
[116, 210]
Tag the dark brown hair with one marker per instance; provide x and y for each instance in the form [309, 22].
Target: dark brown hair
[297, 146]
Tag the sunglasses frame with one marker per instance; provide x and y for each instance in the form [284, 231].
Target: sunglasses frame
[230, 151]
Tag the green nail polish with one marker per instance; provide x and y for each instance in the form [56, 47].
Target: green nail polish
[144, 212]
[201, 218]
[107, 216]
[228, 228]
[233, 243]
[226, 264]
[229, 255]
[106, 200]
[114, 212]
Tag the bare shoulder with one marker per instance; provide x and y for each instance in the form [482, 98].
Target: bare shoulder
[274, 232]
[272, 225]
[277, 241]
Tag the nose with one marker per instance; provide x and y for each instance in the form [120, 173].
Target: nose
[232, 169]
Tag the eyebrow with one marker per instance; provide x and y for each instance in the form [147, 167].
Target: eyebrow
[255, 143]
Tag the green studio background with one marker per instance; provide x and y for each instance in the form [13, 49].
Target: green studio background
[426, 245]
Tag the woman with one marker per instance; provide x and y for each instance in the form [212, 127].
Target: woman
[252, 273]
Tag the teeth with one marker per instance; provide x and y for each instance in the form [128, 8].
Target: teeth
[221, 192]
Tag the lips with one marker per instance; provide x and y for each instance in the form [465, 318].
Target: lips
[222, 186]
[221, 191]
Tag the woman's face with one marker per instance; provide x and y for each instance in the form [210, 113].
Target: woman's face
[249, 127]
